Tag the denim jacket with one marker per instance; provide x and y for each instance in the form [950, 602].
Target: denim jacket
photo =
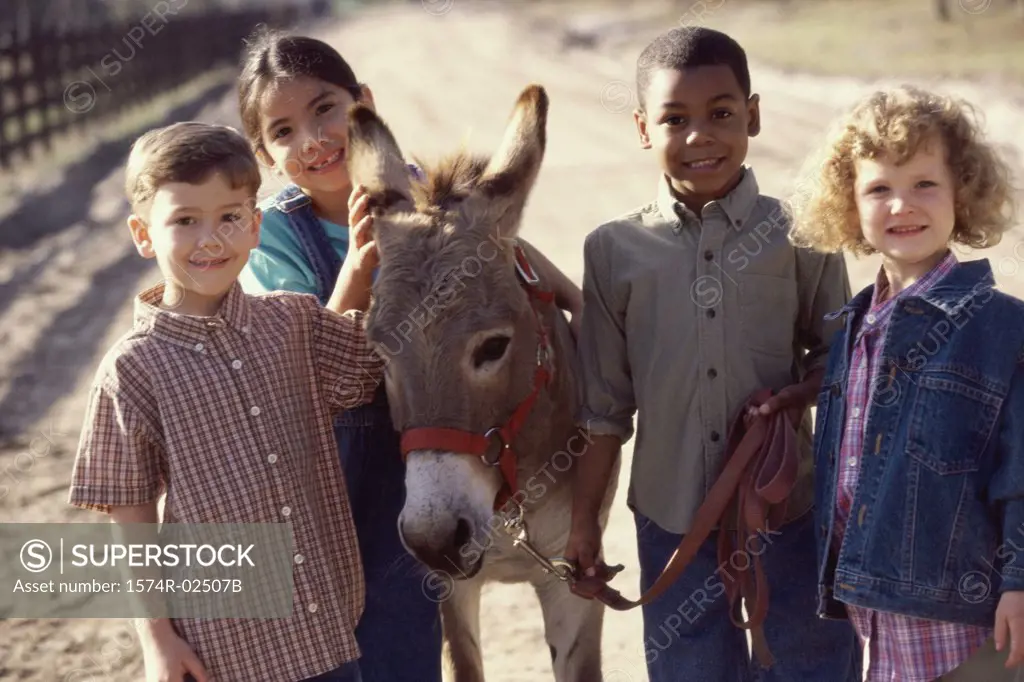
[936, 526]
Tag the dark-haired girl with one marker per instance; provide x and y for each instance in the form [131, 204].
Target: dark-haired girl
[294, 94]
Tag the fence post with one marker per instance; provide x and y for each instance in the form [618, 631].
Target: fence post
[70, 65]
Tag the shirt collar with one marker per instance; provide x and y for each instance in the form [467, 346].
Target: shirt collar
[923, 284]
[949, 291]
[880, 311]
[189, 330]
[737, 205]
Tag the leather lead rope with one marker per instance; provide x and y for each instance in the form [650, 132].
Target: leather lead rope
[758, 477]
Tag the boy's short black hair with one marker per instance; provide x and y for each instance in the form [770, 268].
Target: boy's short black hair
[688, 47]
[188, 151]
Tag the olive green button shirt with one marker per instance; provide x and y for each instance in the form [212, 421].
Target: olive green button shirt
[683, 319]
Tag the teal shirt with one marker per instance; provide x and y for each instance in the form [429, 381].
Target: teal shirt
[279, 263]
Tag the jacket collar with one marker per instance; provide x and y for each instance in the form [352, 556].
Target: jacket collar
[954, 291]
[950, 294]
[737, 205]
[190, 330]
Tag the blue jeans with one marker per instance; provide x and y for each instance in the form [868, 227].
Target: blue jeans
[400, 631]
[688, 634]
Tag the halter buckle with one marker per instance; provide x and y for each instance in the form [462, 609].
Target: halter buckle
[496, 443]
[524, 267]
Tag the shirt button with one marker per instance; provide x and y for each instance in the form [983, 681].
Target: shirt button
[245, 329]
[712, 373]
[714, 436]
[856, 412]
[708, 255]
[272, 458]
[299, 558]
[199, 346]
[312, 608]
[237, 364]
[852, 461]
[711, 312]
[254, 411]
[871, 318]
[287, 511]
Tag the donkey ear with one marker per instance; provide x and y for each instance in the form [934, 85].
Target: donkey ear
[509, 177]
[375, 161]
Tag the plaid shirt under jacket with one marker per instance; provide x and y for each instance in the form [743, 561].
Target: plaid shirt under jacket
[901, 647]
[231, 416]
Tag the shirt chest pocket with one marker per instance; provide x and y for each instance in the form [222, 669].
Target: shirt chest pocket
[768, 307]
[950, 424]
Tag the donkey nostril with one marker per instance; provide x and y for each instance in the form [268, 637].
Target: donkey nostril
[463, 533]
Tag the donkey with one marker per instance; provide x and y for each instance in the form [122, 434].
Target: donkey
[468, 348]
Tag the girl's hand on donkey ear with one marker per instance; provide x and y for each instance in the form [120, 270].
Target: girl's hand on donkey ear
[352, 290]
[362, 247]
[358, 202]
[361, 243]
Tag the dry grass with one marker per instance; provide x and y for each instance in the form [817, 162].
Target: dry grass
[869, 38]
[876, 38]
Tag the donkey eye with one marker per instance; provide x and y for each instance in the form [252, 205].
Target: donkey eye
[491, 350]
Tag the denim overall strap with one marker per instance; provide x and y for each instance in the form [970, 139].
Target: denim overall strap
[368, 448]
[321, 256]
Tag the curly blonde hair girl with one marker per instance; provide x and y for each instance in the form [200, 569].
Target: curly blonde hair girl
[896, 123]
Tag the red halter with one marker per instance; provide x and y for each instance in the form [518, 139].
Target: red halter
[494, 447]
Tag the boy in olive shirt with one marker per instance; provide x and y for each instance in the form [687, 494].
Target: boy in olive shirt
[692, 303]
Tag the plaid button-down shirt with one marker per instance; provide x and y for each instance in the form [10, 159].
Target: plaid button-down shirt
[231, 416]
[901, 647]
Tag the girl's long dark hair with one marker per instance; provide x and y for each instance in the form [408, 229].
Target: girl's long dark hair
[272, 55]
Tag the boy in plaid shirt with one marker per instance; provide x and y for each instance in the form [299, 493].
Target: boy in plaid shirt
[224, 401]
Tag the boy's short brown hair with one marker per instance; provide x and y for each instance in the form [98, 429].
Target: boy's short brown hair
[188, 152]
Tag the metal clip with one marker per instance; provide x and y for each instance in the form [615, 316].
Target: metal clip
[514, 519]
[565, 570]
[543, 353]
[515, 526]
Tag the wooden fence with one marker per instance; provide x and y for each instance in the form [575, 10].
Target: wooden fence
[61, 75]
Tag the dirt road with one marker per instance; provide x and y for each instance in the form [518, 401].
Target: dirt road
[443, 74]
